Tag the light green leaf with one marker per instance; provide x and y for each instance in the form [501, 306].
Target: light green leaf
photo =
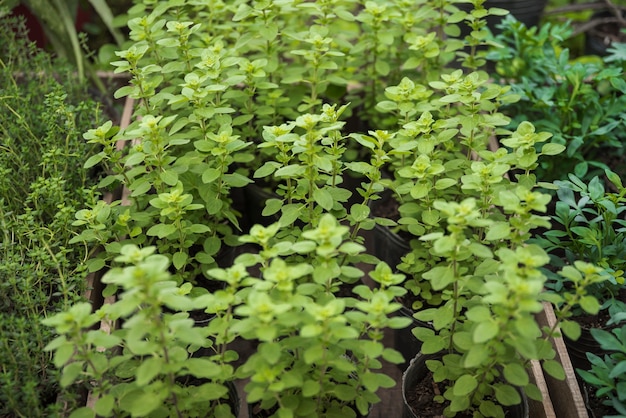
[465, 385]
[516, 374]
[554, 369]
[323, 198]
[83, 412]
[147, 370]
[507, 395]
[485, 331]
[161, 230]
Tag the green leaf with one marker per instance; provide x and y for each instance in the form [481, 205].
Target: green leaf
[93, 160]
[293, 170]
[507, 395]
[272, 206]
[310, 388]
[590, 304]
[203, 367]
[210, 175]
[84, 412]
[552, 149]
[147, 370]
[516, 374]
[161, 230]
[169, 177]
[571, 329]
[70, 373]
[465, 385]
[266, 169]
[554, 369]
[374, 381]
[485, 331]
[140, 403]
[498, 231]
[440, 277]
[323, 198]
[179, 259]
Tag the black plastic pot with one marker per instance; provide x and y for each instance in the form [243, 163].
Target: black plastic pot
[389, 246]
[606, 30]
[418, 371]
[578, 349]
[255, 197]
[404, 340]
[526, 11]
[255, 412]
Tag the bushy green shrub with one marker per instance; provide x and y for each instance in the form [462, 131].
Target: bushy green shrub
[43, 112]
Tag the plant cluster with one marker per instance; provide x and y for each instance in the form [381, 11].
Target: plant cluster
[606, 375]
[580, 101]
[43, 112]
[318, 353]
[590, 227]
[302, 98]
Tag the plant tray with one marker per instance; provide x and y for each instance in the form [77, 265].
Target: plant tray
[565, 395]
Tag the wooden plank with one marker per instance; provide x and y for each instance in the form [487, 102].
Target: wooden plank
[566, 395]
[106, 325]
[543, 409]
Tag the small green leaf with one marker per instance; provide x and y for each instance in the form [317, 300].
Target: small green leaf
[552, 149]
[179, 259]
[93, 160]
[465, 385]
[84, 412]
[554, 369]
[485, 331]
[161, 230]
[210, 175]
[571, 329]
[516, 374]
[147, 370]
[323, 198]
[169, 177]
[590, 304]
[507, 395]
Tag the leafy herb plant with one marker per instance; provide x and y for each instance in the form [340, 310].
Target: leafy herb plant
[606, 376]
[147, 367]
[580, 102]
[43, 111]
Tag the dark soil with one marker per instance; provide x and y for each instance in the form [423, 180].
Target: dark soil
[595, 405]
[420, 399]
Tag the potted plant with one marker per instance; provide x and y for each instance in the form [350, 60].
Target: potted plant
[578, 99]
[319, 350]
[590, 228]
[605, 378]
[44, 110]
[149, 366]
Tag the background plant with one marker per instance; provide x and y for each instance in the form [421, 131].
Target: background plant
[591, 229]
[43, 111]
[58, 20]
[579, 102]
[606, 376]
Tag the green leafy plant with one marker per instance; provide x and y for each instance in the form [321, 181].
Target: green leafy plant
[42, 272]
[58, 19]
[606, 375]
[149, 366]
[579, 102]
[591, 228]
[320, 349]
[301, 96]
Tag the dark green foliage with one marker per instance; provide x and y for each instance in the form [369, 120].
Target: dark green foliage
[43, 111]
[580, 101]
